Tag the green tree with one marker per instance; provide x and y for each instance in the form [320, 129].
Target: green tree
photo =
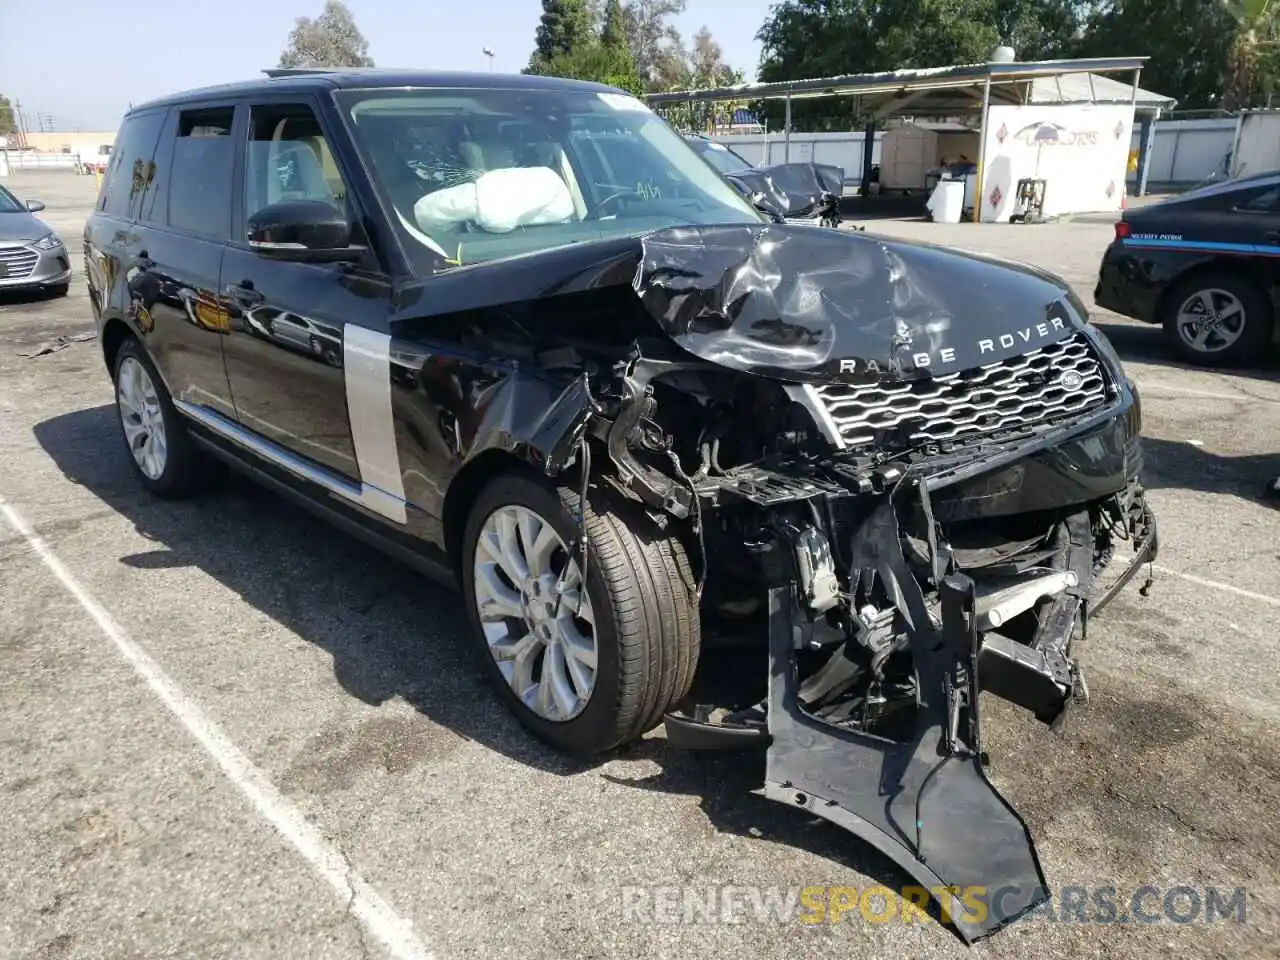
[8, 120]
[600, 64]
[614, 32]
[936, 33]
[1188, 43]
[706, 64]
[1041, 29]
[656, 45]
[330, 40]
[565, 25]
[822, 38]
[1253, 33]
[602, 57]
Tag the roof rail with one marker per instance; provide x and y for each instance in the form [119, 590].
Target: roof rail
[296, 71]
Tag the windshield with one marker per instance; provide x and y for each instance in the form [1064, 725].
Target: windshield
[9, 203]
[477, 175]
[720, 156]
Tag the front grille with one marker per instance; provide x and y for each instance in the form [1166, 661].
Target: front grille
[19, 262]
[1020, 392]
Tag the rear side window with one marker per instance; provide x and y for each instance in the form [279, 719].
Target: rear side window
[1266, 201]
[200, 177]
[132, 168]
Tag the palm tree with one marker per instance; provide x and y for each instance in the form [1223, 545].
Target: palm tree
[1255, 22]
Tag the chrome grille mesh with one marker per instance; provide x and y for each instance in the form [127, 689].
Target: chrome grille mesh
[19, 262]
[1022, 391]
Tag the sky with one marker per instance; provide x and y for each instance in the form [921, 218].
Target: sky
[84, 61]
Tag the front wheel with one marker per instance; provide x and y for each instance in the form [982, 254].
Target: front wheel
[1217, 319]
[584, 667]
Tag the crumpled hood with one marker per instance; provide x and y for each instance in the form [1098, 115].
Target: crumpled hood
[20, 226]
[797, 303]
[804, 304]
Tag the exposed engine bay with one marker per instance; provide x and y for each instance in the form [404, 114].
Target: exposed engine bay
[900, 496]
[887, 602]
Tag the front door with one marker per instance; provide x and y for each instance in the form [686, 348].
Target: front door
[303, 335]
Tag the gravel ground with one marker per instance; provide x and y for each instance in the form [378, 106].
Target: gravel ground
[343, 683]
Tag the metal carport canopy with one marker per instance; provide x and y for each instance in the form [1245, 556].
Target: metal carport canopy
[1011, 80]
[949, 91]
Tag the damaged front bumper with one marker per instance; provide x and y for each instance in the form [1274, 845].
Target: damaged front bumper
[898, 760]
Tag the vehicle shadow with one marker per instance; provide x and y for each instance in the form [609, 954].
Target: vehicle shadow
[23, 295]
[391, 633]
[1146, 344]
[1172, 464]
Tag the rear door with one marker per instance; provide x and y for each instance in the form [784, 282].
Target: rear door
[132, 178]
[172, 257]
[298, 328]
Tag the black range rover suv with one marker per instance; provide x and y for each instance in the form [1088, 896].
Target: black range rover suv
[516, 332]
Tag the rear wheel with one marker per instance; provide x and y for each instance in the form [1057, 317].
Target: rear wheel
[584, 667]
[163, 455]
[1217, 319]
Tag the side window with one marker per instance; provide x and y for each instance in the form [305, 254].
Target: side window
[131, 169]
[154, 208]
[288, 158]
[200, 174]
[1268, 201]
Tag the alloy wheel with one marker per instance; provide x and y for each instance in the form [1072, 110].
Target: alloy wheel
[142, 418]
[1211, 320]
[535, 613]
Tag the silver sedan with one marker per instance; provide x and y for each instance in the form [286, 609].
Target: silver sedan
[32, 256]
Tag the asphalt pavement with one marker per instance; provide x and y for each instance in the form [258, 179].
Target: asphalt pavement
[226, 731]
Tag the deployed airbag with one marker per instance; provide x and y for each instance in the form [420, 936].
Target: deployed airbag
[498, 201]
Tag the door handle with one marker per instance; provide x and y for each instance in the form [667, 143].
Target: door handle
[1272, 235]
[244, 294]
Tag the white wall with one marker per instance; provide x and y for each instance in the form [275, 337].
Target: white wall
[34, 160]
[1182, 151]
[1258, 149]
[1187, 151]
[840, 149]
[1081, 151]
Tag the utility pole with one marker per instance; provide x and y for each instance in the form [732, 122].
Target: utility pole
[22, 127]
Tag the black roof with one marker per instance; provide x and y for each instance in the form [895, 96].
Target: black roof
[310, 80]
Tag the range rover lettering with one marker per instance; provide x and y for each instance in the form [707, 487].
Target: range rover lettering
[516, 332]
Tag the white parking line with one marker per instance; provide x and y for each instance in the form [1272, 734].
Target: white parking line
[1215, 585]
[377, 916]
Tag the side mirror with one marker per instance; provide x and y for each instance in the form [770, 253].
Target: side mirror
[35, 206]
[308, 231]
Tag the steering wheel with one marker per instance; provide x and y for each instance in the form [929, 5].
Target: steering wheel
[597, 210]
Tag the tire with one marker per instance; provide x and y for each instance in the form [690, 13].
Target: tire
[1246, 345]
[180, 474]
[642, 593]
[58, 290]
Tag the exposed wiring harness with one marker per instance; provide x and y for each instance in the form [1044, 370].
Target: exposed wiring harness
[697, 518]
[582, 511]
